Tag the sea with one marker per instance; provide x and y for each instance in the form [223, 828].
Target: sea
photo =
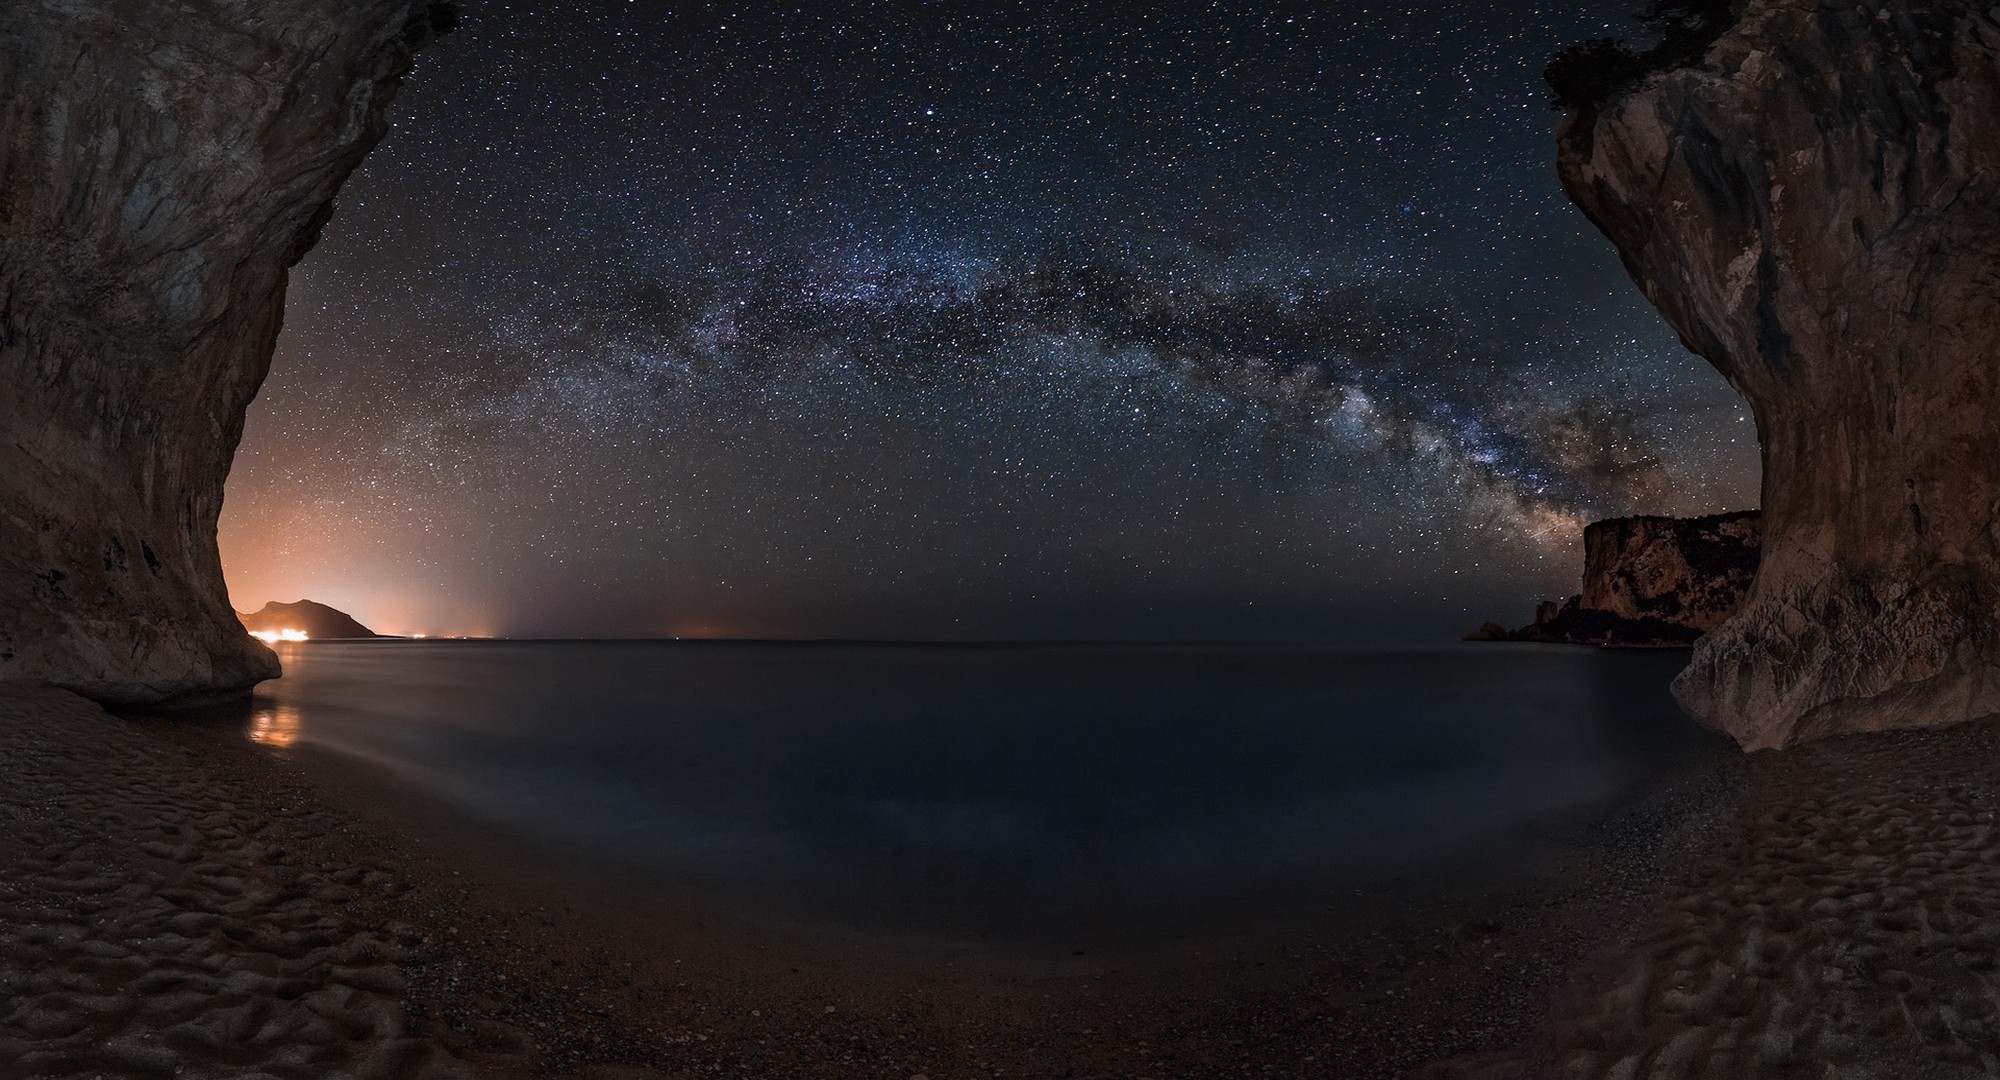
[1001, 793]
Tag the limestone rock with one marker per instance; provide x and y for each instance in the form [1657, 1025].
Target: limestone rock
[1813, 202]
[1649, 582]
[316, 620]
[161, 166]
[1691, 572]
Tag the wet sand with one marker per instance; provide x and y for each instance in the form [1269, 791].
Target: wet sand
[177, 900]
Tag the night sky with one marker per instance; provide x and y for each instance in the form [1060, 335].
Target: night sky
[1045, 321]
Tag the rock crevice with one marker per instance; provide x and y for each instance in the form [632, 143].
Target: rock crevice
[161, 167]
[1814, 205]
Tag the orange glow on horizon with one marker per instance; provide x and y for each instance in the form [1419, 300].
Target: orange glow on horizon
[272, 637]
[698, 629]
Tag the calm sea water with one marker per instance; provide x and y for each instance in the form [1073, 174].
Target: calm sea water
[996, 792]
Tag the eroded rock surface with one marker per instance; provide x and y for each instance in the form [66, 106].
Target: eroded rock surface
[1814, 204]
[1692, 572]
[161, 166]
[1649, 581]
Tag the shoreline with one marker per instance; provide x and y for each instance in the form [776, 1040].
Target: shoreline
[497, 959]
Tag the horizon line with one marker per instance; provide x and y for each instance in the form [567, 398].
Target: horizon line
[942, 642]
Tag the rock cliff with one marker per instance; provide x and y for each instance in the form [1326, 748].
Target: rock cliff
[1691, 572]
[1650, 581]
[316, 620]
[161, 166]
[1812, 199]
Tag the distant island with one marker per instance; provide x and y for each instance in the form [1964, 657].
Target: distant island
[301, 620]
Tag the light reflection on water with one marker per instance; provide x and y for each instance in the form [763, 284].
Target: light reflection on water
[1006, 793]
[274, 722]
[275, 719]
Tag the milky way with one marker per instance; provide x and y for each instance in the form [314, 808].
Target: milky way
[1040, 321]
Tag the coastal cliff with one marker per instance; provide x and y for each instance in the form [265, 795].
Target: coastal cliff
[1810, 194]
[1650, 582]
[161, 167]
[1691, 572]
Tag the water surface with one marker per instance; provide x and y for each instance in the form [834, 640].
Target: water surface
[992, 793]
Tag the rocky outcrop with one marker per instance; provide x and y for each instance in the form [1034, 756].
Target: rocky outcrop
[1690, 572]
[1813, 202]
[316, 620]
[1568, 622]
[161, 166]
[1649, 582]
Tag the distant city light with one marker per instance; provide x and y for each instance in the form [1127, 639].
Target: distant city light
[275, 636]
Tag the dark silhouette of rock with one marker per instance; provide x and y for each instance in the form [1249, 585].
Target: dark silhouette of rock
[161, 166]
[1570, 623]
[1649, 582]
[1813, 202]
[315, 619]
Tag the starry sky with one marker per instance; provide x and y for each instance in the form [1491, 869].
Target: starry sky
[968, 321]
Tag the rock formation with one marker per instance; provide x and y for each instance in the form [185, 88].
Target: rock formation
[1649, 581]
[315, 619]
[1812, 198]
[1692, 572]
[161, 166]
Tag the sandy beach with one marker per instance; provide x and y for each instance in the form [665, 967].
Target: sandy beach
[164, 915]
[931, 541]
[181, 901]
[1840, 924]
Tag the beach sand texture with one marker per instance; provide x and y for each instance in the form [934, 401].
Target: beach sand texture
[151, 925]
[1847, 924]
[175, 897]
[170, 907]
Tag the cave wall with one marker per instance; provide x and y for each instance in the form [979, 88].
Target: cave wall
[1814, 205]
[161, 166]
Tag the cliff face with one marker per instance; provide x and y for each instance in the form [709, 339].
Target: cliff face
[1815, 206]
[161, 166]
[314, 619]
[1650, 581]
[1691, 572]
